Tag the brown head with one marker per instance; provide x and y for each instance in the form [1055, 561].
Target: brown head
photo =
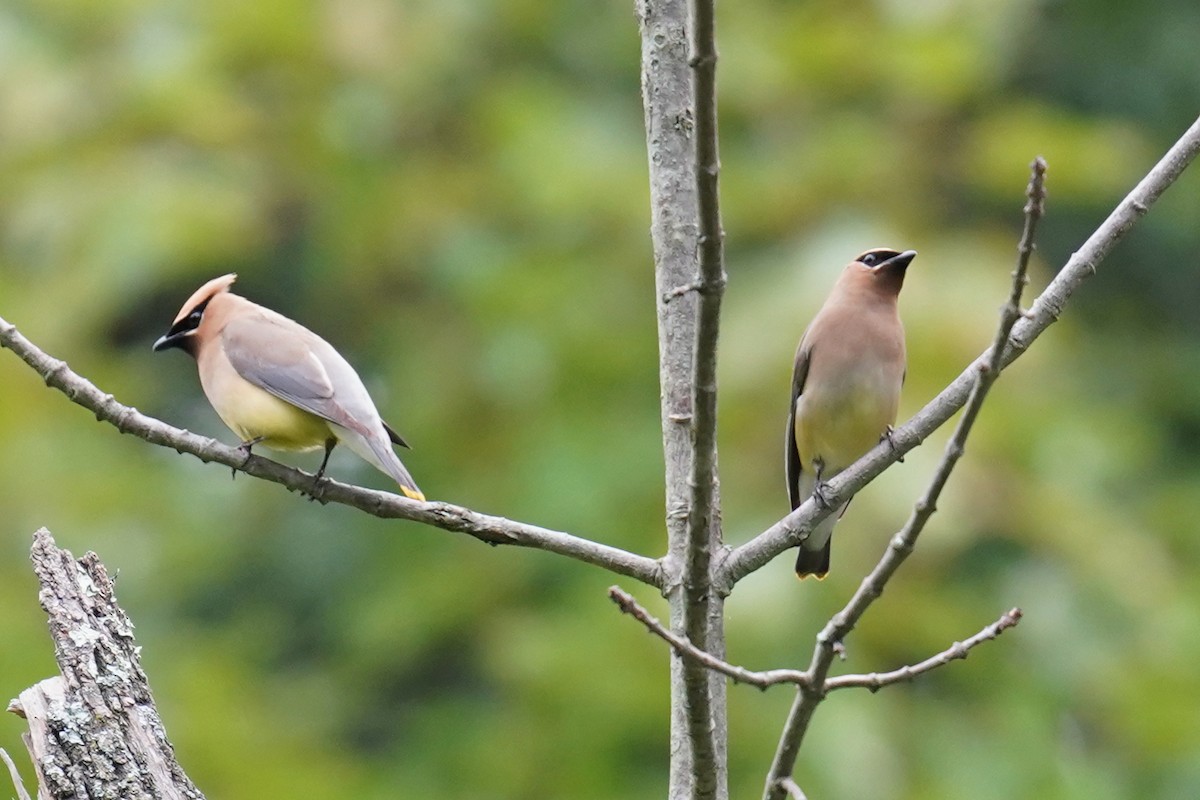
[185, 328]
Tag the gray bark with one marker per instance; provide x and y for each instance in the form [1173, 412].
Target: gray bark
[93, 730]
[698, 721]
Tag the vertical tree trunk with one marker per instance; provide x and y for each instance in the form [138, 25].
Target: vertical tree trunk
[670, 124]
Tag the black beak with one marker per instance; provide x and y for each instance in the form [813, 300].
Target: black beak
[169, 340]
[897, 263]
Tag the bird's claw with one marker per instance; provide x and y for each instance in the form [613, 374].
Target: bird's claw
[891, 440]
[819, 493]
[316, 492]
[819, 484]
[245, 449]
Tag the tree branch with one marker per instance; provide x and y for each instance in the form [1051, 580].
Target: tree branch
[768, 678]
[486, 528]
[93, 730]
[792, 529]
[702, 658]
[902, 543]
[877, 680]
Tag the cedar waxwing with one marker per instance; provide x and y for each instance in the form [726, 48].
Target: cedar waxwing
[845, 386]
[271, 380]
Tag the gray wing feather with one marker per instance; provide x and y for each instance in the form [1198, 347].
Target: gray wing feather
[791, 452]
[295, 365]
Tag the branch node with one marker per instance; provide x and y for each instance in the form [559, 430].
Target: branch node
[683, 648]
[701, 286]
[789, 786]
[680, 291]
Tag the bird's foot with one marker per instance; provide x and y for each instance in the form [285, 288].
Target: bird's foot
[316, 492]
[891, 440]
[820, 485]
[819, 489]
[245, 449]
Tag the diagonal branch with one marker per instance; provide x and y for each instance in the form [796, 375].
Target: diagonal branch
[702, 658]
[14, 775]
[486, 528]
[1082, 264]
[835, 631]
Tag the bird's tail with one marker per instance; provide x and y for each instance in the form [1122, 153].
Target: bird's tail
[813, 556]
[400, 474]
[813, 562]
[378, 451]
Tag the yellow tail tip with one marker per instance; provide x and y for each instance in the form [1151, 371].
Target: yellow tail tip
[413, 494]
[818, 575]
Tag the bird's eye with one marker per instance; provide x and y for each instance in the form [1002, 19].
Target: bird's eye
[195, 315]
[868, 259]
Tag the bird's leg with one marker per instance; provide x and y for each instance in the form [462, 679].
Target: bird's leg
[891, 440]
[819, 485]
[330, 443]
[244, 448]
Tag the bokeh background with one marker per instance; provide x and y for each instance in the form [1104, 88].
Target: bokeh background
[454, 194]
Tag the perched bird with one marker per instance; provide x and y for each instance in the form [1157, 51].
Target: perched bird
[846, 383]
[271, 380]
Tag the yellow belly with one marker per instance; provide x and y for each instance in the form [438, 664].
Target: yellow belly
[282, 425]
[838, 431]
[251, 413]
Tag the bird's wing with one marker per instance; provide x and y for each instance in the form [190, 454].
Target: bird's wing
[281, 361]
[791, 452]
[395, 437]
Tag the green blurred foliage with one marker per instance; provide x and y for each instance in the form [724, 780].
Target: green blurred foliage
[454, 193]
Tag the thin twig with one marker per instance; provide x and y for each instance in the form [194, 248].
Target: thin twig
[686, 649]
[877, 680]
[789, 531]
[14, 774]
[835, 631]
[768, 678]
[486, 528]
